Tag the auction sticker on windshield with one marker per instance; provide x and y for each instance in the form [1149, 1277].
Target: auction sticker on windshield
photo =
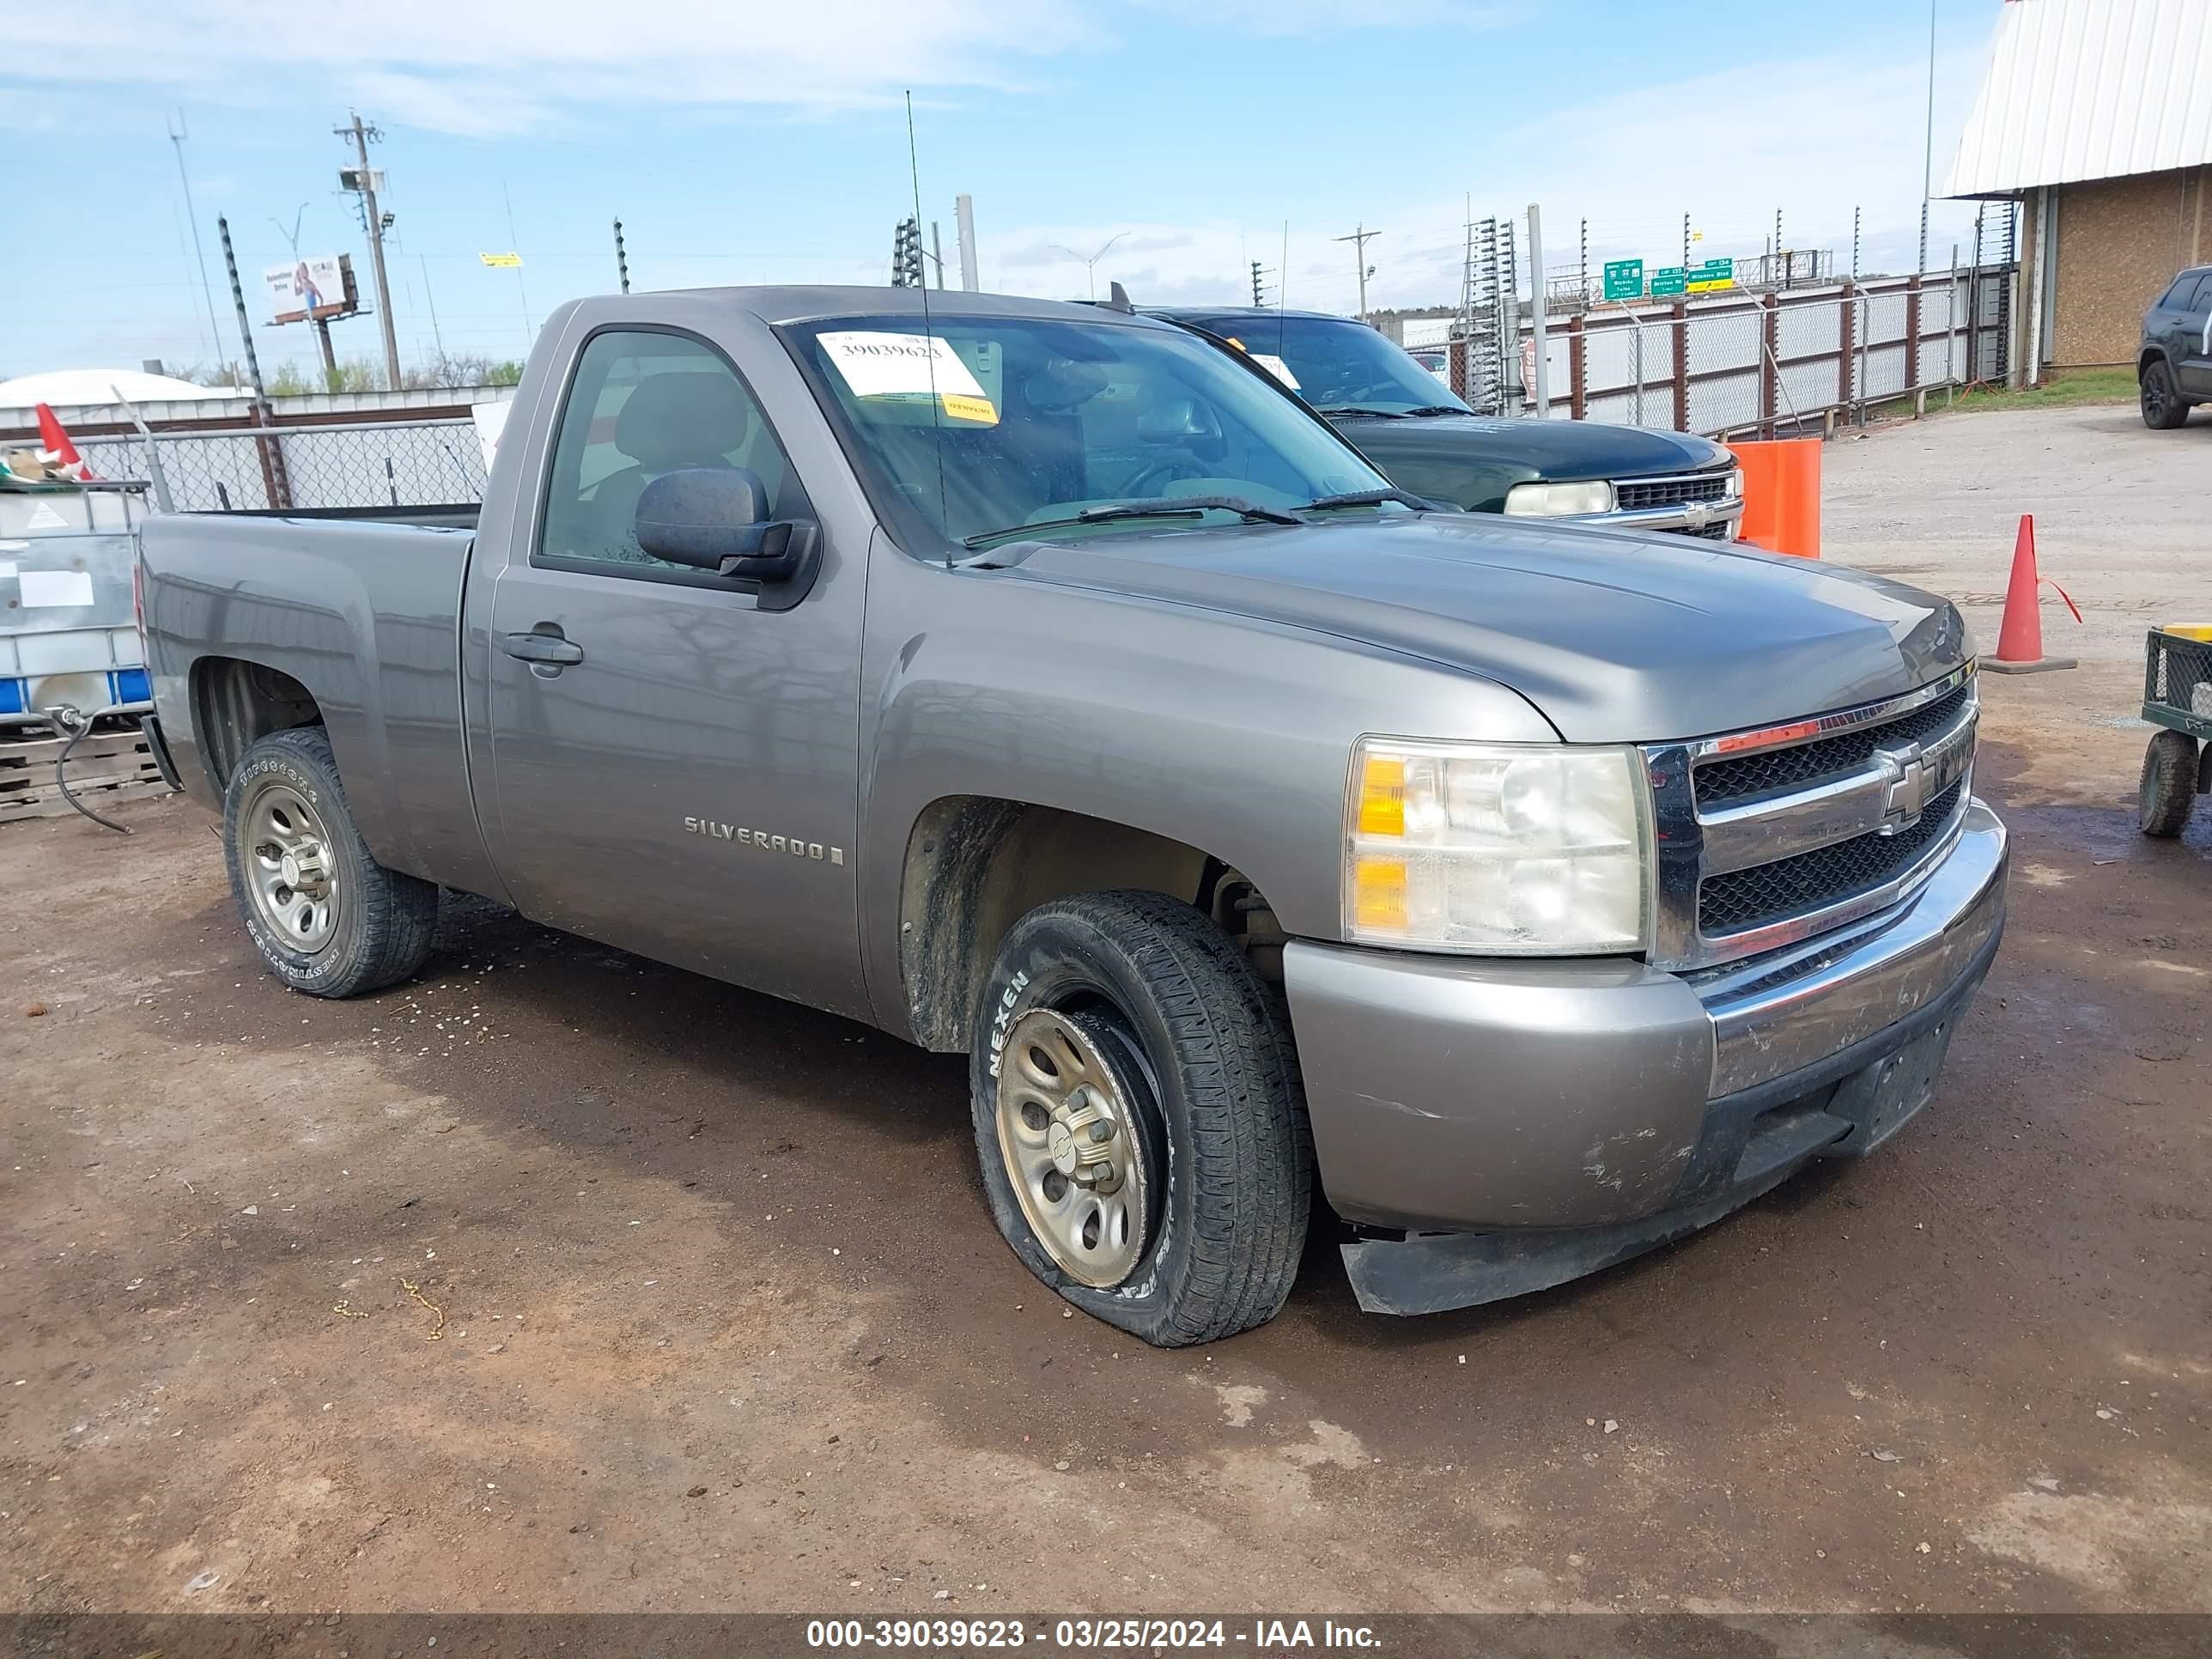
[909, 368]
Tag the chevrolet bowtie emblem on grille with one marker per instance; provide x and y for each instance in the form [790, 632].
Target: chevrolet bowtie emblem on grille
[1908, 781]
[1696, 514]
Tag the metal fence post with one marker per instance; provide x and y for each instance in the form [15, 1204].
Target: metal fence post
[1847, 325]
[1912, 332]
[1577, 369]
[1682, 313]
[1770, 383]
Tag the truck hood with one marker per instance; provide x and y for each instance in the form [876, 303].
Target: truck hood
[1615, 637]
[1472, 461]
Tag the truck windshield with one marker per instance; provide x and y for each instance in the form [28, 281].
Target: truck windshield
[1335, 364]
[991, 423]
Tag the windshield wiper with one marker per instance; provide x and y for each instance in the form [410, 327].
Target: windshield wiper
[1362, 409]
[1366, 498]
[1179, 507]
[1439, 408]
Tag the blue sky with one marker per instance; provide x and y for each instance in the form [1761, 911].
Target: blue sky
[745, 142]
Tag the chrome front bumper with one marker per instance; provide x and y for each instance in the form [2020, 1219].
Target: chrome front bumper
[1450, 1094]
[1718, 519]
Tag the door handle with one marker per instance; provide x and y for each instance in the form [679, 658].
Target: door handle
[548, 649]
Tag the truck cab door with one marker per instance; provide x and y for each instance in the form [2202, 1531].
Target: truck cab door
[674, 769]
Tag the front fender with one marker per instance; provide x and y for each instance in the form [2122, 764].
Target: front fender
[1227, 733]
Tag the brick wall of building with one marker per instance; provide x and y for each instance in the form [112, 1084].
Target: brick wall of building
[2118, 243]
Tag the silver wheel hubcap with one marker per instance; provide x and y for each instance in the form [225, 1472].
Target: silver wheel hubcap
[1067, 1132]
[289, 869]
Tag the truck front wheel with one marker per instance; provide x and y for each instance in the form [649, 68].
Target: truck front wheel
[327, 918]
[1139, 1117]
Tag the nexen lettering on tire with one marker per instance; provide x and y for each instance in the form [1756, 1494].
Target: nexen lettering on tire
[1002, 1022]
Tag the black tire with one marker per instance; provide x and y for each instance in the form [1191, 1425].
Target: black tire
[1209, 1047]
[381, 920]
[2168, 788]
[2163, 406]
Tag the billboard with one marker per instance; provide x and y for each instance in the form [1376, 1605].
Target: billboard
[317, 285]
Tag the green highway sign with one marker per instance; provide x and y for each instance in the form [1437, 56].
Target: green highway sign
[1624, 279]
[1712, 274]
[1669, 279]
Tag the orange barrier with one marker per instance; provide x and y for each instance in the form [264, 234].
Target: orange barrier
[1782, 494]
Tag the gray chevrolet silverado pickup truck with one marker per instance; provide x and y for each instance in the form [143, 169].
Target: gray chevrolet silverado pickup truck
[1041, 683]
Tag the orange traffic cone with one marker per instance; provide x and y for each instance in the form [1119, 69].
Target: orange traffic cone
[2019, 635]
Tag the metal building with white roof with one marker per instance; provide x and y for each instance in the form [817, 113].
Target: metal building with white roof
[2097, 116]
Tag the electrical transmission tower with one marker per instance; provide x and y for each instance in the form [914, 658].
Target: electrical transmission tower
[906, 254]
[1490, 314]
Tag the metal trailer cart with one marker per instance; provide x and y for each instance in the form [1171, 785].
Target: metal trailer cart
[72, 672]
[2178, 697]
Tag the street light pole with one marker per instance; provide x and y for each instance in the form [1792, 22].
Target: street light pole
[1088, 262]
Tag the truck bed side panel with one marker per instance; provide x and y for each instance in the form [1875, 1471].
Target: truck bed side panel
[362, 615]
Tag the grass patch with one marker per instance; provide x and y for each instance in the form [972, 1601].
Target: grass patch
[2074, 390]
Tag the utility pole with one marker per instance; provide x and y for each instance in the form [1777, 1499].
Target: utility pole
[963, 223]
[937, 254]
[1686, 243]
[366, 184]
[622, 259]
[1536, 310]
[1928, 141]
[1360, 238]
[178, 134]
[1259, 297]
[437, 335]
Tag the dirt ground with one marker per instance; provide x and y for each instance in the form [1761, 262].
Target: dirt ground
[725, 1325]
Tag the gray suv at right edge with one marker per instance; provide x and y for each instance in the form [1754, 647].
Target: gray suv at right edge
[2173, 364]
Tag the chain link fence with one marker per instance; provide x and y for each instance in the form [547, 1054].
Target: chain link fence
[365, 465]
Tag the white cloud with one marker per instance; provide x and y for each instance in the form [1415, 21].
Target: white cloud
[1282, 17]
[487, 66]
[481, 68]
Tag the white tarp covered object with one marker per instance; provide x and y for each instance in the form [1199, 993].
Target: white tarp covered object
[80, 387]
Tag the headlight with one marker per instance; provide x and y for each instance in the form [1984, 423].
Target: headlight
[1515, 849]
[1558, 501]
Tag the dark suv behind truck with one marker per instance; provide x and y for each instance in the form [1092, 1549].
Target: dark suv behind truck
[2173, 364]
[1406, 421]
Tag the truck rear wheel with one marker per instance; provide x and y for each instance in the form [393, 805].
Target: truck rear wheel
[327, 918]
[1139, 1117]
[2167, 789]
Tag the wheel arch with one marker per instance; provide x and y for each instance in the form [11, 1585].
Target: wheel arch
[236, 702]
[974, 864]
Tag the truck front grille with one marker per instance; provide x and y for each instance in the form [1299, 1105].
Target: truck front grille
[1634, 494]
[1810, 881]
[1771, 837]
[1763, 772]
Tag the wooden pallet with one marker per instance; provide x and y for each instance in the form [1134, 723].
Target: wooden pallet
[105, 768]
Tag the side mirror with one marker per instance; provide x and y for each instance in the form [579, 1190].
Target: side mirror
[716, 518]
